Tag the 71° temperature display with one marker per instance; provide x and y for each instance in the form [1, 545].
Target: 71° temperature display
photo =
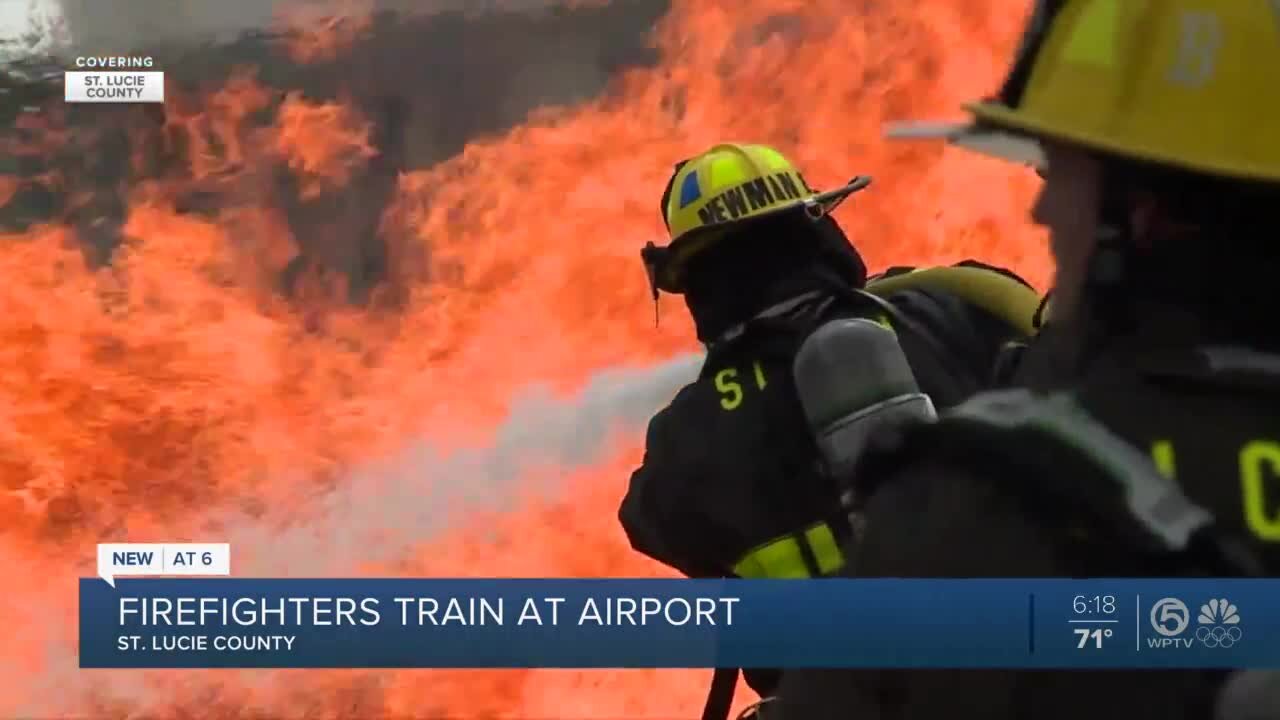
[1092, 637]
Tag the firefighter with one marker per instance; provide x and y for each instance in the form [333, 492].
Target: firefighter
[731, 483]
[1151, 446]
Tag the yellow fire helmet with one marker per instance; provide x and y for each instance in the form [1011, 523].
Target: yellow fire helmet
[724, 187]
[1193, 84]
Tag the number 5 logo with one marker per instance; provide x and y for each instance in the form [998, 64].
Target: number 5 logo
[1197, 53]
[1170, 617]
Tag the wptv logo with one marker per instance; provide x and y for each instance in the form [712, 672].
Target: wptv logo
[1218, 624]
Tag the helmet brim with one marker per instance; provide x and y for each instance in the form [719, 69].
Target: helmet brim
[978, 137]
[1007, 134]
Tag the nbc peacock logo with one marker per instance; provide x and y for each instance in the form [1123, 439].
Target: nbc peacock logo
[1219, 621]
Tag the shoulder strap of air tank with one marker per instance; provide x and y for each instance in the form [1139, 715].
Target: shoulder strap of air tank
[1051, 449]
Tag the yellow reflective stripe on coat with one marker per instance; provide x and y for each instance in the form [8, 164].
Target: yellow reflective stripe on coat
[783, 558]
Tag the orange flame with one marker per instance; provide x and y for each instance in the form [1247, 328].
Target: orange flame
[175, 395]
[9, 187]
[214, 129]
[323, 143]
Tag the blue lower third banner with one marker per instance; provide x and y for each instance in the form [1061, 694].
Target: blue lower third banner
[386, 623]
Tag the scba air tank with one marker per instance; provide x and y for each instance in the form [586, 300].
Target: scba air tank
[853, 381]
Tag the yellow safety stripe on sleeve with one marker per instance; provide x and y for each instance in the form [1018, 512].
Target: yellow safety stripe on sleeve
[1000, 295]
[783, 558]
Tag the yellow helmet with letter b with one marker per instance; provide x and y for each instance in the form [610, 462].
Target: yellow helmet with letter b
[723, 188]
[1191, 84]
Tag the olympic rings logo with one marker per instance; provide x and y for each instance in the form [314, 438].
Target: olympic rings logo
[1218, 637]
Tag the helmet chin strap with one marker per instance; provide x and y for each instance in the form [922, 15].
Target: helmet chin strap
[1105, 299]
[654, 258]
[1110, 264]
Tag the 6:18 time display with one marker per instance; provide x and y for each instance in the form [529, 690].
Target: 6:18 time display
[1094, 604]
